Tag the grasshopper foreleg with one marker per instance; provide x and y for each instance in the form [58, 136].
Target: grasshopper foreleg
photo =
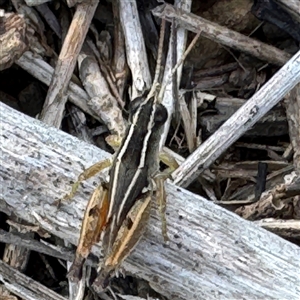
[160, 196]
[88, 173]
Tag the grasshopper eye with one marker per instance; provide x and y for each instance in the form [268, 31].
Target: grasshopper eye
[134, 106]
[161, 115]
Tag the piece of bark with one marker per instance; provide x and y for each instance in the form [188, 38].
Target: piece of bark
[12, 39]
[215, 71]
[274, 203]
[280, 148]
[223, 35]
[211, 82]
[236, 169]
[56, 99]
[256, 107]
[274, 178]
[103, 48]
[211, 254]
[242, 182]
[77, 124]
[187, 121]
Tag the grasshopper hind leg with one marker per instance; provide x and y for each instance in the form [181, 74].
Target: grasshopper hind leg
[94, 221]
[128, 236]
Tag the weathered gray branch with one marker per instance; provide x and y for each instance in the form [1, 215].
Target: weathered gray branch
[222, 35]
[135, 48]
[242, 120]
[52, 112]
[212, 253]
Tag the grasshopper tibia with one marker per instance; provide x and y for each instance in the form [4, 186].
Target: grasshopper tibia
[160, 195]
[94, 220]
[128, 236]
[75, 272]
[161, 202]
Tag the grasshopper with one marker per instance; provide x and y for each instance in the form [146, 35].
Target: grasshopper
[117, 213]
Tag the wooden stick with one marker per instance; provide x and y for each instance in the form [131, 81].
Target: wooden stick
[223, 35]
[56, 99]
[135, 48]
[180, 44]
[44, 72]
[256, 107]
[212, 253]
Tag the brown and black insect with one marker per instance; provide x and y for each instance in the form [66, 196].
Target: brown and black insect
[117, 212]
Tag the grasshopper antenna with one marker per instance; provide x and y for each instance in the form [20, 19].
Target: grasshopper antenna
[172, 72]
[159, 59]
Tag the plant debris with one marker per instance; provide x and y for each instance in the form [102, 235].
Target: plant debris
[77, 65]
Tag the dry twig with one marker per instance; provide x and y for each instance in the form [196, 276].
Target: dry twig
[54, 105]
[223, 35]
